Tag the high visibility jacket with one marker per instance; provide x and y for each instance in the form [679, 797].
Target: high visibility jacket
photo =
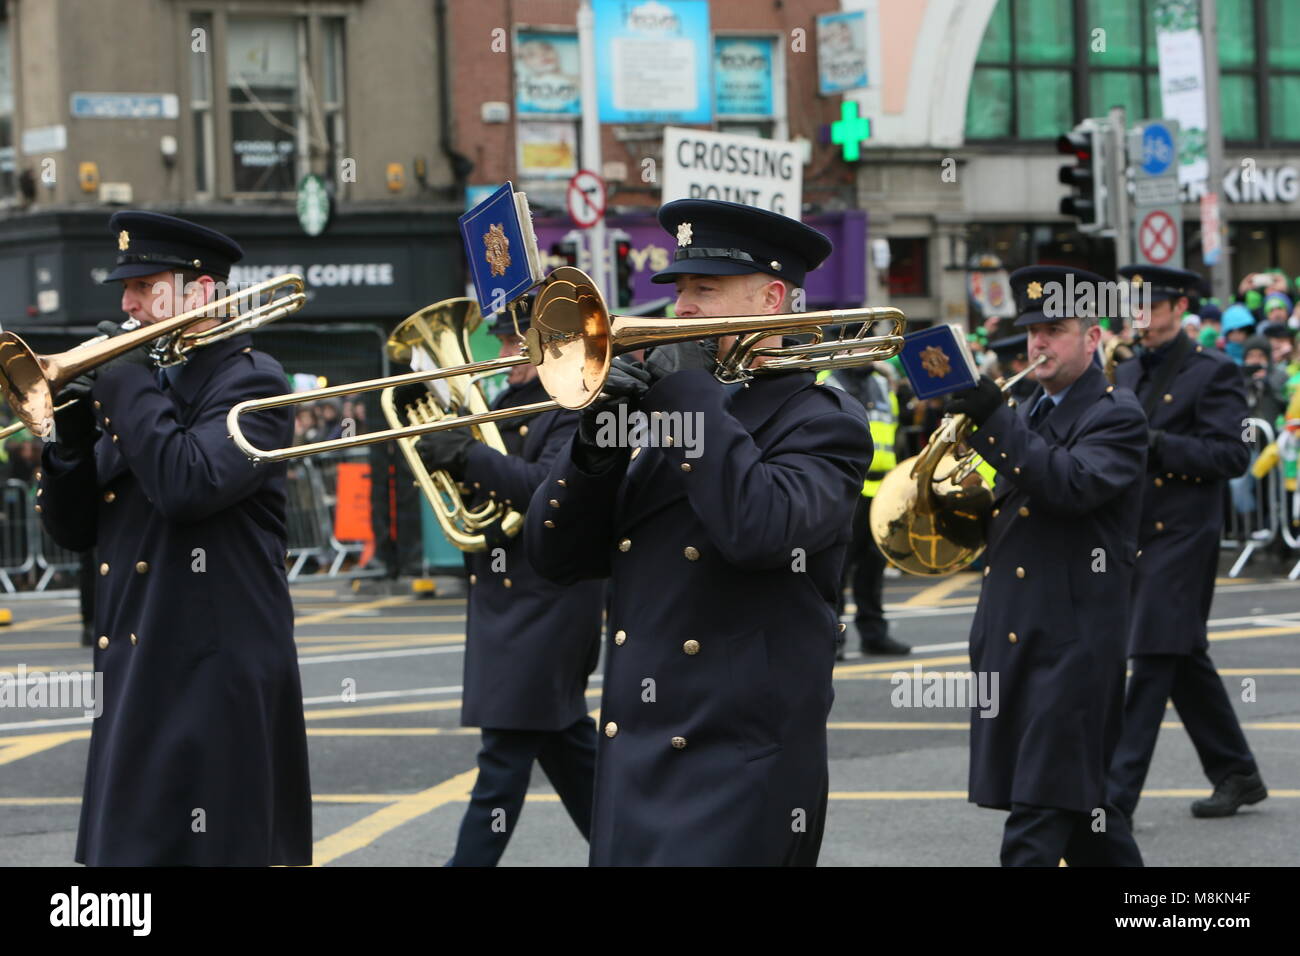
[882, 419]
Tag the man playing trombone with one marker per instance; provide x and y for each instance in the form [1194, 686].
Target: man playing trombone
[724, 556]
[1053, 613]
[199, 756]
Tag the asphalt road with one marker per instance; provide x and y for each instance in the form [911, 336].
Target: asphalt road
[391, 770]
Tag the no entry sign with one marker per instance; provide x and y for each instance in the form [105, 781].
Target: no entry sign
[585, 198]
[1158, 238]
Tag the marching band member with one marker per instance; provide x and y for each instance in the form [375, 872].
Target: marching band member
[199, 757]
[1052, 614]
[724, 566]
[1196, 406]
[529, 644]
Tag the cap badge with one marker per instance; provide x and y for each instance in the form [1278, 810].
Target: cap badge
[123, 241]
[1137, 280]
[1034, 290]
[684, 234]
[498, 245]
[775, 265]
[935, 362]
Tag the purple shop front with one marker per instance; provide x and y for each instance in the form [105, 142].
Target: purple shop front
[839, 283]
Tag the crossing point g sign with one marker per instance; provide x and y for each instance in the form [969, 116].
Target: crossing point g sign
[699, 164]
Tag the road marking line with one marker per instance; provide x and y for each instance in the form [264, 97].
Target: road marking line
[458, 648]
[26, 745]
[370, 828]
[901, 665]
[33, 623]
[940, 590]
[409, 641]
[42, 646]
[351, 609]
[961, 794]
[392, 731]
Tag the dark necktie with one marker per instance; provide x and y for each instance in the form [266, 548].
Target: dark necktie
[1040, 412]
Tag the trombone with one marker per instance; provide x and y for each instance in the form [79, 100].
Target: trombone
[30, 381]
[572, 341]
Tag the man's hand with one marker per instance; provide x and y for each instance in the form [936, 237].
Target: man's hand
[626, 383]
[137, 356]
[75, 430]
[663, 360]
[446, 451]
[979, 402]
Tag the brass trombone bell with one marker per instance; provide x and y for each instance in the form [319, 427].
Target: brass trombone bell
[30, 381]
[572, 341]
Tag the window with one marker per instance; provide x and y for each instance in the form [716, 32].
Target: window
[1042, 66]
[1023, 85]
[201, 101]
[7, 171]
[909, 272]
[285, 94]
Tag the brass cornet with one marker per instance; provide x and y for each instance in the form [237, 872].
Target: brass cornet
[572, 341]
[928, 516]
[30, 381]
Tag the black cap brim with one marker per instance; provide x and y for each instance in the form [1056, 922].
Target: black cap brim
[704, 267]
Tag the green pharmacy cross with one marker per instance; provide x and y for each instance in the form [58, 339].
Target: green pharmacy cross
[850, 130]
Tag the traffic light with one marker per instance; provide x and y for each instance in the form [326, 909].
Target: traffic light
[1086, 176]
[566, 251]
[622, 249]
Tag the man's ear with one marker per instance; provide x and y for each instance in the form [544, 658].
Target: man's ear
[774, 295]
[199, 292]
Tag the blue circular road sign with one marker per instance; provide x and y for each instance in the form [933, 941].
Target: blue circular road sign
[1157, 149]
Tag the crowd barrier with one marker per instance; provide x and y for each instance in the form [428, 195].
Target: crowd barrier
[1259, 510]
[31, 560]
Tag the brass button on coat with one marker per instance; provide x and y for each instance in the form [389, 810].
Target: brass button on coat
[103, 568]
[103, 642]
[1168, 398]
[611, 729]
[38, 508]
[1160, 482]
[1020, 572]
[692, 554]
[679, 743]
[1160, 526]
[508, 583]
[1016, 470]
[110, 496]
[625, 544]
[691, 647]
[1012, 637]
[554, 503]
[561, 482]
[987, 569]
[473, 579]
[142, 567]
[995, 512]
[1024, 512]
[636, 451]
[134, 640]
[620, 637]
[993, 439]
[548, 523]
[523, 430]
[686, 466]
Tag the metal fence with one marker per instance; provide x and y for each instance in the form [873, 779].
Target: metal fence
[1258, 512]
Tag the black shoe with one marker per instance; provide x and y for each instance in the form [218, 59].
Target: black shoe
[886, 645]
[1235, 790]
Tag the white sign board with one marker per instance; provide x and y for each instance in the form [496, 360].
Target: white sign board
[1182, 83]
[766, 173]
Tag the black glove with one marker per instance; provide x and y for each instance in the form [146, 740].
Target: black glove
[626, 383]
[663, 360]
[137, 356]
[75, 429]
[979, 402]
[447, 451]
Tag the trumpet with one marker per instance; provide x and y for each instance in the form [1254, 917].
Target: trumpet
[30, 381]
[572, 341]
[931, 522]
